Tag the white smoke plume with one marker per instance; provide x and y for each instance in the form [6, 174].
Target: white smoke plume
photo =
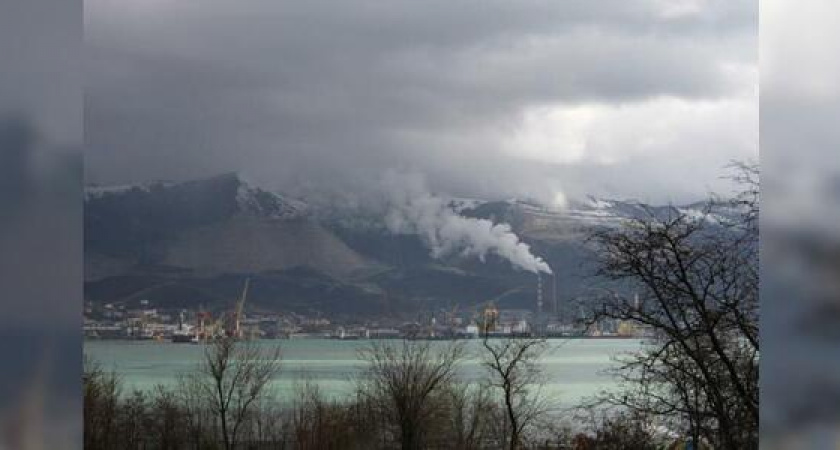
[415, 210]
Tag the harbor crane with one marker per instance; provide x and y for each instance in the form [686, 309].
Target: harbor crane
[237, 324]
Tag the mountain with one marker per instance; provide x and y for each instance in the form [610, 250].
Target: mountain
[193, 243]
[214, 226]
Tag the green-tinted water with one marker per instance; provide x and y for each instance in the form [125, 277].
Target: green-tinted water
[572, 369]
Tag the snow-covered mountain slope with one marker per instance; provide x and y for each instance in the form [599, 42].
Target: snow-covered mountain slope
[552, 223]
[95, 191]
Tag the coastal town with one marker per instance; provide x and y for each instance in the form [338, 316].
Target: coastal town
[116, 321]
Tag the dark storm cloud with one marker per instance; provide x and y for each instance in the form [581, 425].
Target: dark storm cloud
[303, 92]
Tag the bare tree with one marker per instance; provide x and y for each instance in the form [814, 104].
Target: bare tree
[513, 371]
[405, 383]
[696, 285]
[231, 381]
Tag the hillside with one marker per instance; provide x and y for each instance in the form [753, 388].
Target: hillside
[208, 227]
[192, 243]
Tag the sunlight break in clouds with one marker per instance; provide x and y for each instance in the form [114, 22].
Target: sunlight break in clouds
[604, 134]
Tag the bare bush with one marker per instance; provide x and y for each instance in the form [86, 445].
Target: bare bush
[317, 423]
[617, 430]
[166, 421]
[405, 385]
[101, 392]
[471, 413]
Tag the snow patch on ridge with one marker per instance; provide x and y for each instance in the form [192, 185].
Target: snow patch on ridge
[93, 192]
[268, 204]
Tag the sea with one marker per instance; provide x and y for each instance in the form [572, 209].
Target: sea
[571, 370]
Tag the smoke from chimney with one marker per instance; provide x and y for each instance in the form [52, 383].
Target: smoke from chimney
[415, 210]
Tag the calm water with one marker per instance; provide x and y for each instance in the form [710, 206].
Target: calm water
[572, 368]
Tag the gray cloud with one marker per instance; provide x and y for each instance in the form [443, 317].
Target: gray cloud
[484, 98]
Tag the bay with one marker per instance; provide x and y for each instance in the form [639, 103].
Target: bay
[572, 369]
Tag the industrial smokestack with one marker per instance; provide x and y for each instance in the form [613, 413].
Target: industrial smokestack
[539, 294]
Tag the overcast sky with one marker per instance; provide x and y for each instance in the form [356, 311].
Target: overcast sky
[554, 99]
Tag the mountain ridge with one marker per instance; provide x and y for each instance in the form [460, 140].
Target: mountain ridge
[181, 238]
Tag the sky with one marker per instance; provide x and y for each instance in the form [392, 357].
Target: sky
[493, 99]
